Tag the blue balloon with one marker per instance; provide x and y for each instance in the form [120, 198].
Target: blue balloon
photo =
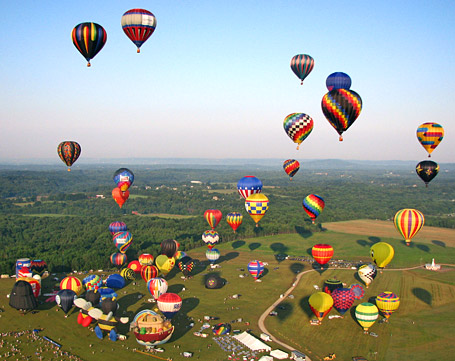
[249, 185]
[106, 292]
[115, 281]
[338, 80]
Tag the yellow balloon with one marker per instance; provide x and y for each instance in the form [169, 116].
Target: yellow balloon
[382, 253]
[164, 263]
[320, 303]
[256, 205]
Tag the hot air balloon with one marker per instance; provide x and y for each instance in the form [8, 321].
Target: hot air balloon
[210, 238]
[322, 253]
[169, 304]
[151, 329]
[257, 205]
[146, 259]
[107, 293]
[120, 197]
[298, 127]
[387, 302]
[69, 151]
[302, 65]
[164, 263]
[249, 185]
[92, 282]
[157, 286]
[234, 219]
[115, 227]
[221, 329]
[127, 274]
[149, 272]
[331, 285]
[358, 291]
[366, 314]
[341, 107]
[427, 170]
[135, 266]
[115, 281]
[71, 283]
[320, 303]
[122, 240]
[408, 223]
[89, 39]
[36, 284]
[65, 299]
[381, 253]
[38, 266]
[430, 135]
[179, 255]
[212, 255]
[185, 265]
[169, 247]
[343, 298]
[118, 259]
[291, 167]
[138, 25]
[124, 178]
[313, 205]
[256, 268]
[213, 217]
[338, 80]
[213, 281]
[21, 297]
[367, 273]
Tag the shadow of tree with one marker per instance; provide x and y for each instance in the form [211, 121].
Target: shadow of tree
[438, 243]
[279, 247]
[305, 306]
[296, 267]
[254, 245]
[237, 244]
[304, 232]
[422, 295]
[423, 247]
[284, 310]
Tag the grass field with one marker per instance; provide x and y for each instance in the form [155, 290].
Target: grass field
[421, 329]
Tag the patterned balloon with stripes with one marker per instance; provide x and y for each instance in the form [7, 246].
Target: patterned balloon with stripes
[366, 314]
[149, 272]
[313, 206]
[234, 219]
[157, 286]
[138, 25]
[69, 151]
[388, 303]
[343, 298]
[322, 253]
[291, 167]
[127, 274]
[212, 255]
[92, 282]
[430, 135]
[341, 107]
[302, 65]
[115, 227]
[298, 127]
[249, 185]
[146, 259]
[89, 39]
[71, 283]
[256, 268]
[122, 240]
[210, 238]
[213, 217]
[118, 259]
[408, 223]
[257, 205]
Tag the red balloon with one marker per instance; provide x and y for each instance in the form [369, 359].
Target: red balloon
[135, 266]
[149, 272]
[213, 217]
[322, 253]
[119, 196]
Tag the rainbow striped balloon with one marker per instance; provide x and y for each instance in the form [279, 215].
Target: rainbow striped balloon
[291, 167]
[298, 127]
[408, 222]
[387, 302]
[256, 268]
[234, 219]
[313, 206]
[430, 135]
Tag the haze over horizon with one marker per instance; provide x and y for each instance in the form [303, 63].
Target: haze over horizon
[214, 81]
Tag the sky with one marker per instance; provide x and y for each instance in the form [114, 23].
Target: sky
[214, 80]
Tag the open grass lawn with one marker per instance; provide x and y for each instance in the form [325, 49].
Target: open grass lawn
[420, 330]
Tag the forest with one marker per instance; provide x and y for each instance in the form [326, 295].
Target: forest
[63, 217]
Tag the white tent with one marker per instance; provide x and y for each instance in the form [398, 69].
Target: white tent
[280, 355]
[252, 342]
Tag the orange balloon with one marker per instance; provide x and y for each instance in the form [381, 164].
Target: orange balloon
[119, 196]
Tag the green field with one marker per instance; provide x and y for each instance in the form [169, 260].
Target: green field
[419, 330]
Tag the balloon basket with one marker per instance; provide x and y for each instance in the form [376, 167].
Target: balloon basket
[89, 65]
[138, 50]
[341, 138]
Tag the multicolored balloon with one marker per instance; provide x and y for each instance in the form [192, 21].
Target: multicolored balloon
[115, 227]
[256, 268]
[322, 253]
[388, 303]
[320, 303]
[381, 253]
[302, 65]
[234, 219]
[71, 283]
[120, 197]
[135, 266]
[213, 217]
[69, 152]
[367, 273]
[92, 282]
[366, 314]
[298, 127]
[118, 259]
[138, 25]
[430, 135]
[408, 223]
[331, 285]
[89, 39]
[122, 240]
[124, 178]
[146, 259]
[291, 167]
[257, 205]
[427, 170]
[149, 272]
[338, 80]
[169, 304]
[249, 185]
[186, 265]
[38, 266]
[210, 238]
[212, 255]
[221, 329]
[157, 287]
[358, 291]
[343, 298]
[341, 107]
[313, 205]
[164, 263]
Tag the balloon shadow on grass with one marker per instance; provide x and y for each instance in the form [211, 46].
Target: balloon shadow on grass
[304, 232]
[320, 268]
[181, 321]
[374, 240]
[177, 288]
[279, 248]
[254, 245]
[228, 257]
[130, 299]
[422, 295]
[305, 306]
[438, 243]
[238, 244]
[423, 247]
[308, 251]
[284, 310]
[362, 242]
[213, 274]
[296, 267]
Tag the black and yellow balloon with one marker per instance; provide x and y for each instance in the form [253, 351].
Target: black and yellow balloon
[69, 152]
